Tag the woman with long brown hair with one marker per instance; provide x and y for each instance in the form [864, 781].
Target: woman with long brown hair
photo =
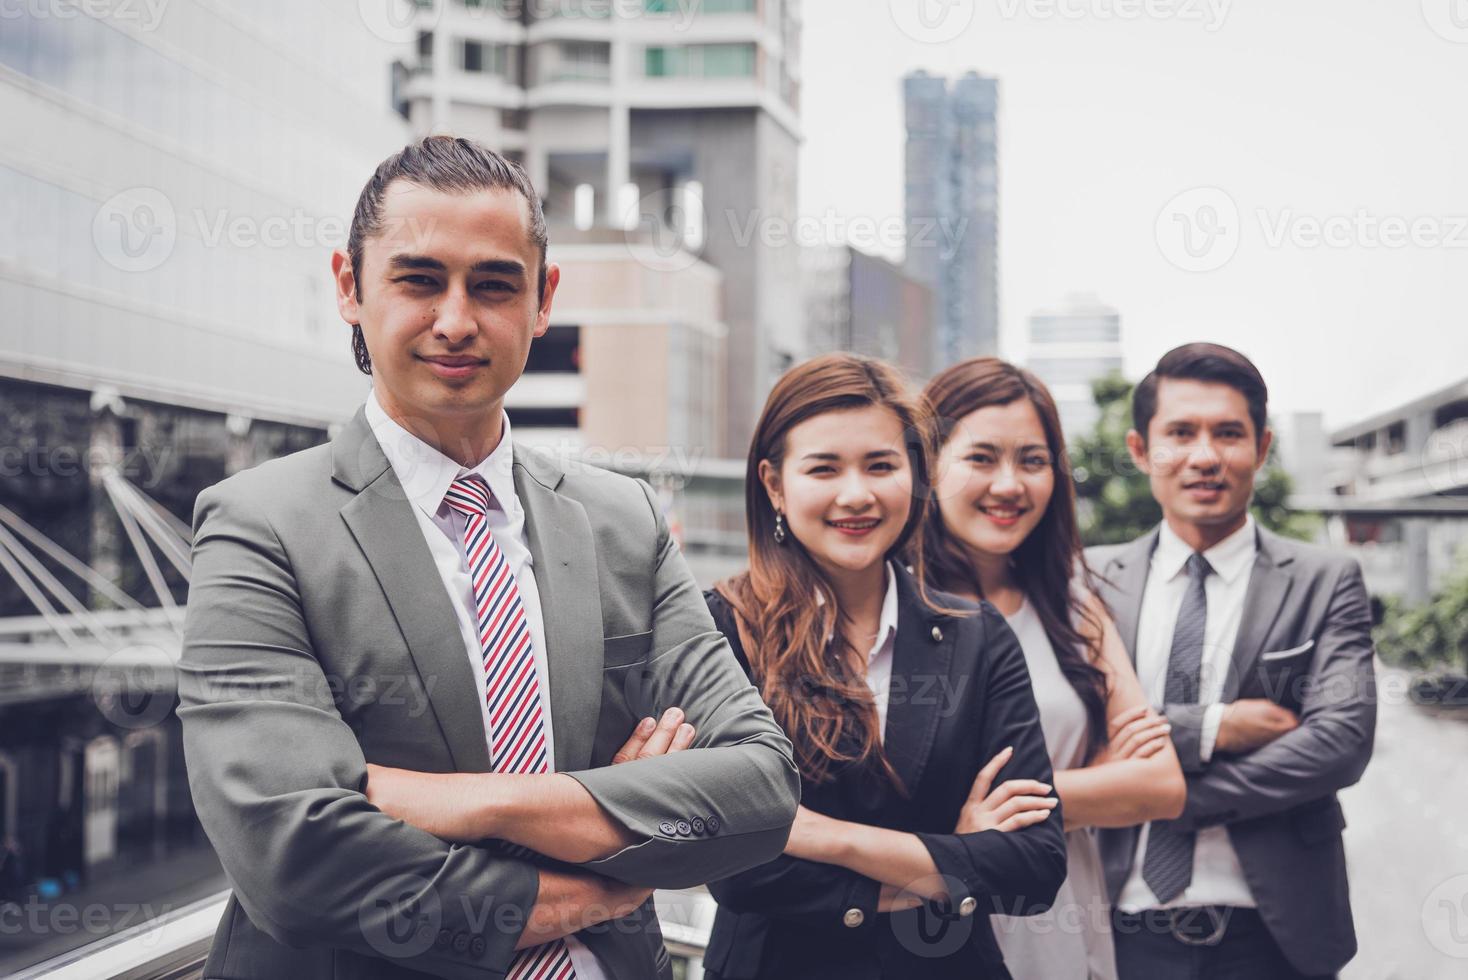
[1003, 529]
[893, 698]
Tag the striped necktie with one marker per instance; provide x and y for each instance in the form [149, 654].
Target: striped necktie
[511, 688]
[1167, 867]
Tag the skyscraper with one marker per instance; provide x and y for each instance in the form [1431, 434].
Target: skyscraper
[1071, 347]
[952, 207]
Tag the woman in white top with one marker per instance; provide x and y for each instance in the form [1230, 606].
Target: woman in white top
[1004, 530]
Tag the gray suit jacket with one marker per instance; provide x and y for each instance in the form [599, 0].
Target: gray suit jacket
[1304, 643]
[319, 637]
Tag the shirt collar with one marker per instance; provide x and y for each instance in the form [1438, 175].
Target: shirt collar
[426, 473]
[1229, 558]
[886, 622]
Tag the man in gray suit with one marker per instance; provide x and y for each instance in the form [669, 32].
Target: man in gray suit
[413, 654]
[1258, 651]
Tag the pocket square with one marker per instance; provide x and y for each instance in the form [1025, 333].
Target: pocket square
[1291, 652]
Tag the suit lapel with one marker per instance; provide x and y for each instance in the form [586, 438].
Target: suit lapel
[564, 553]
[381, 520]
[1127, 573]
[924, 666]
[1270, 582]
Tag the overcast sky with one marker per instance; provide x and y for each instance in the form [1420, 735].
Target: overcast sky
[1339, 120]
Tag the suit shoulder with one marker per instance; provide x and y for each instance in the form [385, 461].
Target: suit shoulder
[1319, 558]
[597, 487]
[267, 484]
[1100, 555]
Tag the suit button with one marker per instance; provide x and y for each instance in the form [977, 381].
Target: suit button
[712, 823]
[684, 828]
[666, 826]
[967, 906]
[937, 635]
[476, 946]
[853, 918]
[461, 942]
[698, 826]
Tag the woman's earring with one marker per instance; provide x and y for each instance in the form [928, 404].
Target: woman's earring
[779, 528]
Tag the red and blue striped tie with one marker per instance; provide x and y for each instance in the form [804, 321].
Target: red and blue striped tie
[511, 688]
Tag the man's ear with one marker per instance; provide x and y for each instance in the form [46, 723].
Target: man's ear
[542, 316]
[346, 287]
[770, 478]
[1265, 441]
[1136, 446]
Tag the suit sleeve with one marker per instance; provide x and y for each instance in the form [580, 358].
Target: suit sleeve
[1330, 748]
[276, 776]
[1017, 872]
[738, 781]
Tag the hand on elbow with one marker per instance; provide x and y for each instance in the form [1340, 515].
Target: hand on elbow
[1013, 805]
[1251, 724]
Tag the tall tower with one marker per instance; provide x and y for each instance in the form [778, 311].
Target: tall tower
[952, 207]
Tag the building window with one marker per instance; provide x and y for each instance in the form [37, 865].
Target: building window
[544, 418]
[1396, 438]
[574, 61]
[558, 352]
[706, 7]
[701, 61]
[473, 56]
[425, 45]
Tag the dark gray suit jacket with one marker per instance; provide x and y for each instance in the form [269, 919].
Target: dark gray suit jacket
[319, 637]
[1304, 643]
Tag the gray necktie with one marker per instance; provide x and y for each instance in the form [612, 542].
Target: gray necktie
[1167, 867]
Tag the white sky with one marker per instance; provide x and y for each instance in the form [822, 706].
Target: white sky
[1306, 109]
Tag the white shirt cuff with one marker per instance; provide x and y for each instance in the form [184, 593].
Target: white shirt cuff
[1212, 719]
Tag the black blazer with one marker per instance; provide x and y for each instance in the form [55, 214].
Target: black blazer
[960, 693]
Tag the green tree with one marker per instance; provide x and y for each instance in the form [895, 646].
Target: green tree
[1115, 498]
[1434, 634]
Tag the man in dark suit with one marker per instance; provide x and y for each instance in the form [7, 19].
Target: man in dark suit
[1258, 650]
[411, 655]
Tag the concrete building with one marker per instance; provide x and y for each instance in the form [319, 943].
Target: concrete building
[631, 370]
[952, 208]
[676, 119]
[1069, 348]
[865, 304]
[1400, 492]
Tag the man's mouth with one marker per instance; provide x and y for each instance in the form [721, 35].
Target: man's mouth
[454, 366]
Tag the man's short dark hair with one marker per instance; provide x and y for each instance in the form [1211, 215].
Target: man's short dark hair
[1203, 362]
[452, 165]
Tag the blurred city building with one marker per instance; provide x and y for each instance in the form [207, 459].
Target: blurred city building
[1071, 347]
[677, 120]
[863, 303]
[1399, 492]
[173, 181]
[952, 208]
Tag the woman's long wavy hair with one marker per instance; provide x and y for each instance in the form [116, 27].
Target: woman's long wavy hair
[823, 704]
[1050, 558]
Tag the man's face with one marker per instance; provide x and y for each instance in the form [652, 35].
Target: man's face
[448, 303]
[1201, 452]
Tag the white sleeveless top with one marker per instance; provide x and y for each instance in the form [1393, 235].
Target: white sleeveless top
[1072, 941]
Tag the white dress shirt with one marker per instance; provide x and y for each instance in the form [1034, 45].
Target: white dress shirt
[1218, 879]
[879, 657]
[426, 475]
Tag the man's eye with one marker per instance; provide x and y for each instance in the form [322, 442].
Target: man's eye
[416, 280]
[496, 285]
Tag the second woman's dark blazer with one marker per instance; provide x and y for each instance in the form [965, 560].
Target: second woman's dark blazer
[960, 693]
